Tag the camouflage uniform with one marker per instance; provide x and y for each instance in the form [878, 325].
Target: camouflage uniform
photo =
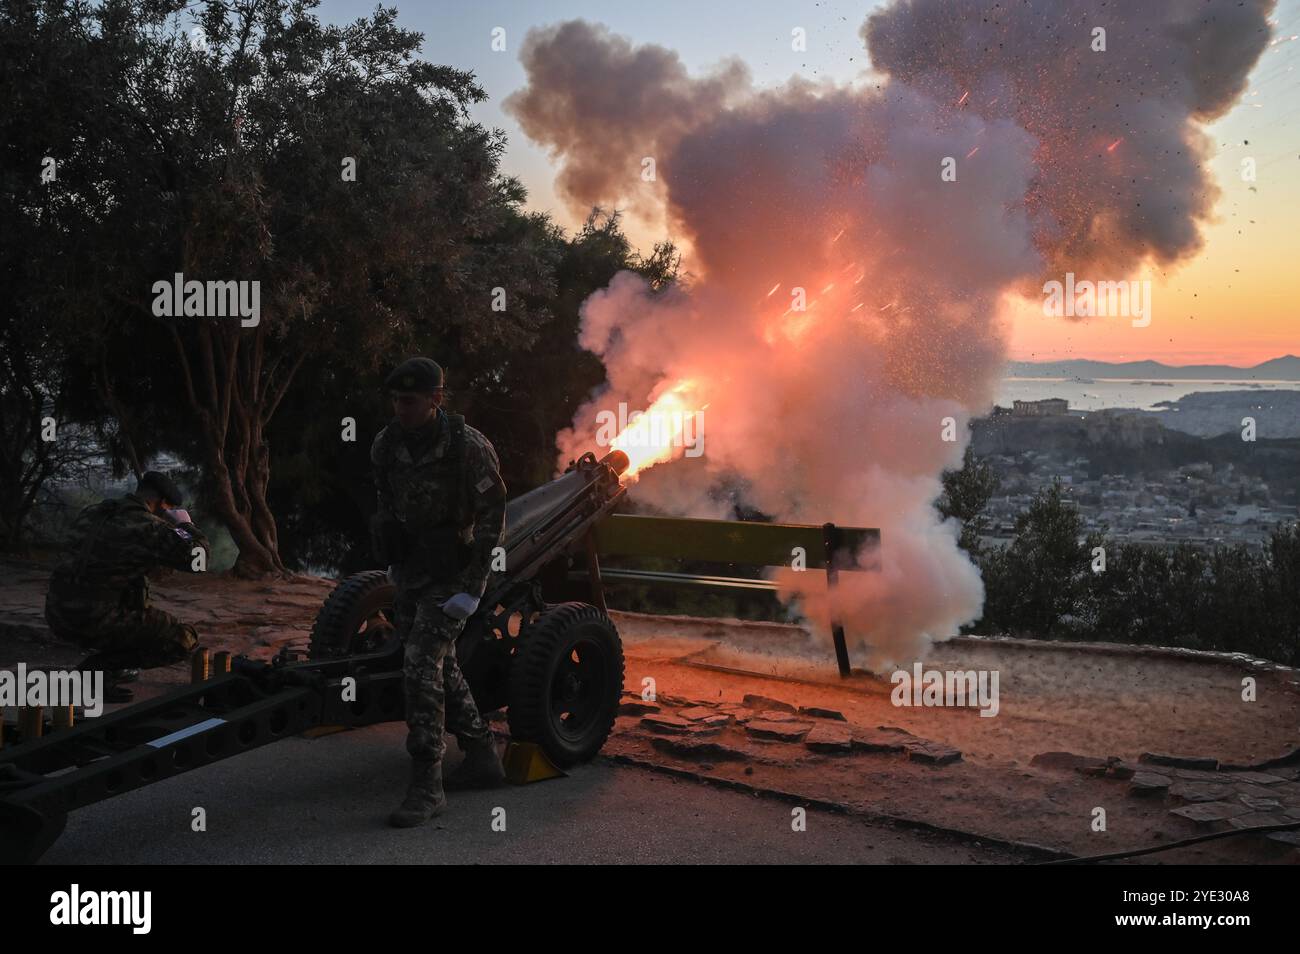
[452, 514]
[99, 594]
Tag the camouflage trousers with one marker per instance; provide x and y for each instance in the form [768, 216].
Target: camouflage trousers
[437, 696]
[129, 633]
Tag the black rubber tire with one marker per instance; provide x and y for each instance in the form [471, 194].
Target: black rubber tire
[356, 599]
[544, 667]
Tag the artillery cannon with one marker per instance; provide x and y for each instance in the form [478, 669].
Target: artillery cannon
[558, 667]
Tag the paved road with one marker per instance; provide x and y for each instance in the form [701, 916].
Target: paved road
[324, 801]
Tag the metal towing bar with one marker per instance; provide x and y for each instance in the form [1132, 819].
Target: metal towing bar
[254, 704]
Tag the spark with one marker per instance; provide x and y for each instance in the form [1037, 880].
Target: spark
[837, 236]
[889, 306]
[963, 97]
[972, 152]
[774, 288]
[1111, 147]
[828, 288]
[855, 308]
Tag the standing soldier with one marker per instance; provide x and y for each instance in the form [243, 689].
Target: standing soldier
[99, 593]
[442, 508]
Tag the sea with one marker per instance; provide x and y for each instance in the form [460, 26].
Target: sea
[1095, 395]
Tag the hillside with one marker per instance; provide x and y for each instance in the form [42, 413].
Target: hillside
[1285, 368]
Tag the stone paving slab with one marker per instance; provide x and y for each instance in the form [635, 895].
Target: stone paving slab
[1255, 820]
[698, 712]
[1180, 761]
[637, 708]
[758, 702]
[1070, 762]
[699, 749]
[1148, 783]
[932, 753]
[817, 712]
[1206, 812]
[873, 740]
[665, 723]
[829, 739]
[1257, 778]
[778, 731]
[1200, 791]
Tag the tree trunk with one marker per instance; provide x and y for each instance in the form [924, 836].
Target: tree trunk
[125, 423]
[27, 461]
[234, 405]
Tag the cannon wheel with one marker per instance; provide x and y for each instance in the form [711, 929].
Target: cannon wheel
[566, 681]
[356, 619]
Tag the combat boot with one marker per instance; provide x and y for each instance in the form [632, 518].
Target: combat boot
[114, 691]
[424, 797]
[481, 767]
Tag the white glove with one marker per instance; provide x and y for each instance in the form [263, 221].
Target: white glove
[460, 606]
[178, 515]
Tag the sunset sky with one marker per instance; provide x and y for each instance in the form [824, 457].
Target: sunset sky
[1234, 303]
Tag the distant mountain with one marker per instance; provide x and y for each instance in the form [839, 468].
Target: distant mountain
[1285, 368]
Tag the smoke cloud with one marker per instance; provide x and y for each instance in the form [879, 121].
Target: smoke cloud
[844, 308]
[601, 105]
[1167, 67]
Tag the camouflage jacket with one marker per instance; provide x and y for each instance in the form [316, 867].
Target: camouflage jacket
[113, 544]
[431, 495]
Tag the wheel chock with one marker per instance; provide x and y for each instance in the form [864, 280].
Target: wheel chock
[525, 762]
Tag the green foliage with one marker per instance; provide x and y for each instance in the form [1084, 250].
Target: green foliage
[1036, 582]
[224, 160]
[1227, 599]
[966, 492]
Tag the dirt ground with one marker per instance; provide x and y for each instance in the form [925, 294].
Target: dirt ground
[1109, 705]
[1085, 698]
[1160, 744]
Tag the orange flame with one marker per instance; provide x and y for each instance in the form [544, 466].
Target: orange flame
[661, 432]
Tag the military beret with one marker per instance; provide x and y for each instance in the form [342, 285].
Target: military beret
[415, 374]
[162, 485]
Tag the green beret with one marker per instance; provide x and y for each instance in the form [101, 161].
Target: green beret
[415, 374]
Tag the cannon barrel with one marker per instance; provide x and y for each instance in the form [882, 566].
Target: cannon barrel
[543, 523]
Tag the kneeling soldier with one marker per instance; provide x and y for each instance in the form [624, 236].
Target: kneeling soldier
[99, 593]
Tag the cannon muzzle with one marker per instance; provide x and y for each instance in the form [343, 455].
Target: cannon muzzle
[616, 460]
